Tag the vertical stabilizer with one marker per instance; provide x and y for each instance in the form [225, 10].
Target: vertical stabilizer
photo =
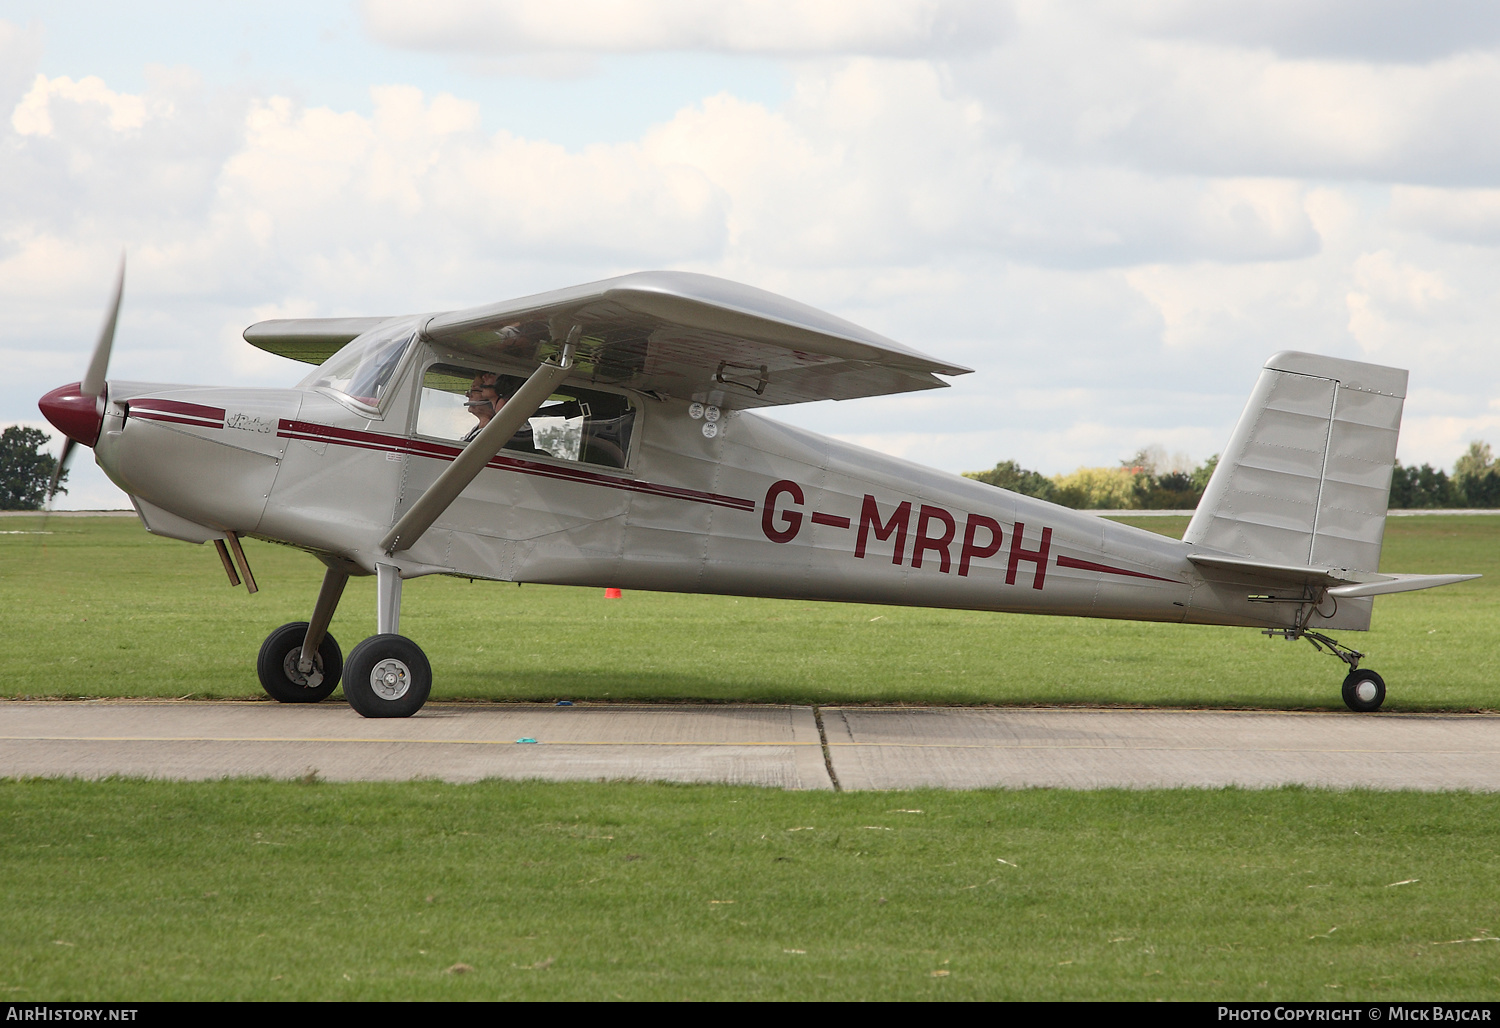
[1306, 477]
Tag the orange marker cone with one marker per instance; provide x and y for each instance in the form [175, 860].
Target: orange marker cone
[612, 594]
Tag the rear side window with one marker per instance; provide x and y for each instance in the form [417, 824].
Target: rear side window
[583, 425]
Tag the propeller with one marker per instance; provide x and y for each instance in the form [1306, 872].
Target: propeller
[93, 379]
[77, 410]
[59, 471]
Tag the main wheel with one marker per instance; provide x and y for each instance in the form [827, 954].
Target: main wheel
[387, 676]
[280, 675]
[1364, 691]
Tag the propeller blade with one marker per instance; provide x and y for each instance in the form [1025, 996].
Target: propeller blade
[60, 470]
[93, 380]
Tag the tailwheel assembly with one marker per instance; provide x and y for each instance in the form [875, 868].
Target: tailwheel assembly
[1364, 690]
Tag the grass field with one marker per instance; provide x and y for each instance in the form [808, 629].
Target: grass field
[128, 890]
[132, 890]
[100, 608]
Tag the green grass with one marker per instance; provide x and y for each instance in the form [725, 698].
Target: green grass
[100, 608]
[130, 890]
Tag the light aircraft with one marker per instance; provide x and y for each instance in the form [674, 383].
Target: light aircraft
[607, 435]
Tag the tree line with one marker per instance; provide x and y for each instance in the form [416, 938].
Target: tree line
[1141, 483]
[1475, 482]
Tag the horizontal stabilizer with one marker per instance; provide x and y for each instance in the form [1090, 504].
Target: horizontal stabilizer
[1283, 573]
[1339, 582]
[1397, 584]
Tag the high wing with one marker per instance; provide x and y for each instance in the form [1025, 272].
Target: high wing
[310, 340]
[669, 332]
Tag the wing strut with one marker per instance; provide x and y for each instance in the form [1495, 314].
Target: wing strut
[490, 441]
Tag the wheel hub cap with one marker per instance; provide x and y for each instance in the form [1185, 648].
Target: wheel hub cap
[390, 679]
[1365, 690]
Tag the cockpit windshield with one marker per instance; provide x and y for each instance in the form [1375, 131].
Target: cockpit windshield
[363, 368]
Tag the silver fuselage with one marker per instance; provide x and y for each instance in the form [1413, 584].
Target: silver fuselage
[759, 509]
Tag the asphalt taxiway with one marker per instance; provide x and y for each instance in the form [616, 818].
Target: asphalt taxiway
[784, 747]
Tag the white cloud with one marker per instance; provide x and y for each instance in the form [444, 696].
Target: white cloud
[1075, 88]
[1457, 215]
[776, 27]
[33, 115]
[1396, 310]
[1375, 30]
[20, 54]
[1114, 223]
[419, 177]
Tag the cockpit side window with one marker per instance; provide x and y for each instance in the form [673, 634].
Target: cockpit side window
[363, 369]
[584, 425]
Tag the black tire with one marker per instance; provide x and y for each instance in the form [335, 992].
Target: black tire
[387, 676]
[1364, 691]
[277, 666]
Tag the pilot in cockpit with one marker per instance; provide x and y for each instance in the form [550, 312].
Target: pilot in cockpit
[488, 392]
[484, 401]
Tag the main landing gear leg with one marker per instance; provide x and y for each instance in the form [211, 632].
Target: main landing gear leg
[1364, 690]
[300, 662]
[387, 675]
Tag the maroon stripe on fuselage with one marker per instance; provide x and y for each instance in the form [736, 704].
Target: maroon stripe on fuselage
[311, 432]
[831, 520]
[1088, 565]
[191, 410]
[288, 429]
[151, 415]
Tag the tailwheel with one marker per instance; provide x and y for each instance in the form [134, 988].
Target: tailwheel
[1364, 691]
[281, 675]
[387, 676]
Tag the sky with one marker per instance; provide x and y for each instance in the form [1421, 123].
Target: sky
[1113, 211]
